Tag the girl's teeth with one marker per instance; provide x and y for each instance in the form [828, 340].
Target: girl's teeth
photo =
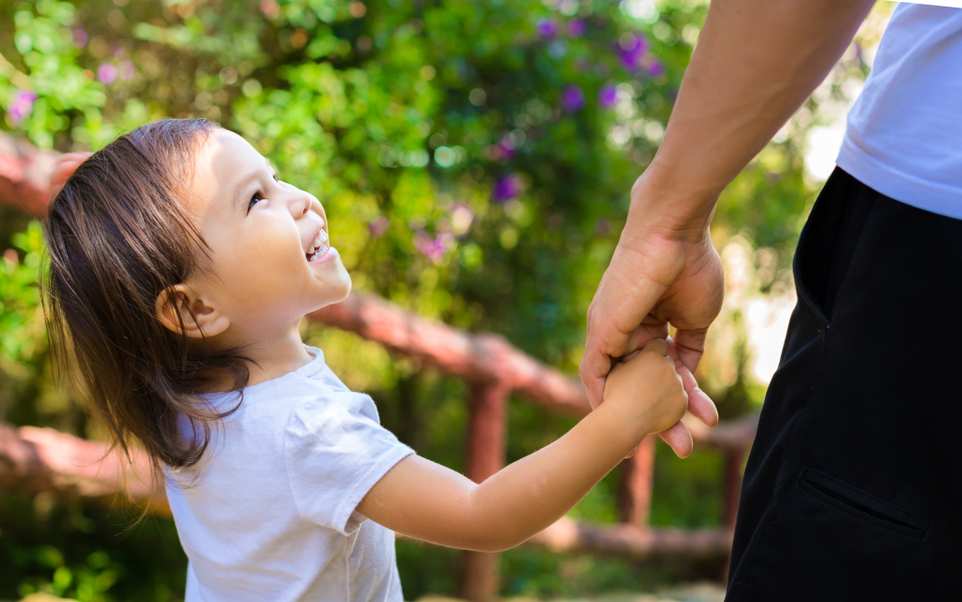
[320, 242]
[320, 245]
[321, 239]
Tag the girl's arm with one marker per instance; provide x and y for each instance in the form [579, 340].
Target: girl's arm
[427, 501]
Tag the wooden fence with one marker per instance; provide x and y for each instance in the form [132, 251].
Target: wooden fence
[42, 459]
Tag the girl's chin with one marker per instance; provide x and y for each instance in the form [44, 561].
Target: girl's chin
[337, 291]
[346, 289]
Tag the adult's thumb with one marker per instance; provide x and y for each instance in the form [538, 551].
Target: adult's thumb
[689, 346]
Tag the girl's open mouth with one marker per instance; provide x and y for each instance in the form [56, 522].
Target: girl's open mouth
[320, 248]
[322, 255]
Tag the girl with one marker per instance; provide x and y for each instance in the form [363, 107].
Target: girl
[181, 266]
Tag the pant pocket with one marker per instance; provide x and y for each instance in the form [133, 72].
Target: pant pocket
[829, 241]
[859, 504]
[824, 540]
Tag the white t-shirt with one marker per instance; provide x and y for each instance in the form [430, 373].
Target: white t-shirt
[271, 514]
[904, 133]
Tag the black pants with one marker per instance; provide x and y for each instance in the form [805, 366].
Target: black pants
[853, 488]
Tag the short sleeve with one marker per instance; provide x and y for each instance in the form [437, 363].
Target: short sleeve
[335, 450]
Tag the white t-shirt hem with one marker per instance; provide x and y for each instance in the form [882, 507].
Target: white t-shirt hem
[898, 185]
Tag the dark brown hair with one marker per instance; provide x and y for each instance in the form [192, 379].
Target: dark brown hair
[117, 236]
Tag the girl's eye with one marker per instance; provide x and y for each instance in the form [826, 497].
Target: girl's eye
[256, 197]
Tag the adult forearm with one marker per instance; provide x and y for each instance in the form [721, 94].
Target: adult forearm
[755, 62]
[530, 494]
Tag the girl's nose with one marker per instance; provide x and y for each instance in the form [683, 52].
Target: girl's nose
[311, 203]
[301, 205]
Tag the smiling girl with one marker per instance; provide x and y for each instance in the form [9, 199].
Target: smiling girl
[181, 265]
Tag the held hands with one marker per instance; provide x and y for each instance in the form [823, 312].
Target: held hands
[661, 273]
[648, 391]
[431, 502]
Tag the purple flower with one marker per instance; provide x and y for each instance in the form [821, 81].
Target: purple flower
[106, 73]
[506, 188]
[432, 248]
[80, 37]
[576, 28]
[21, 105]
[631, 50]
[547, 29]
[608, 96]
[572, 98]
[377, 226]
[656, 68]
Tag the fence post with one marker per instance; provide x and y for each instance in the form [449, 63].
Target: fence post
[486, 451]
[634, 495]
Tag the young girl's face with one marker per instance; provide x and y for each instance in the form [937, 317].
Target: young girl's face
[261, 231]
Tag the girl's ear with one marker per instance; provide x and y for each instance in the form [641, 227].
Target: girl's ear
[199, 319]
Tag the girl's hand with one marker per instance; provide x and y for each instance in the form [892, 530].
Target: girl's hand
[648, 390]
[427, 501]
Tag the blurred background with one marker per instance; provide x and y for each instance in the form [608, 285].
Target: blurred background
[474, 159]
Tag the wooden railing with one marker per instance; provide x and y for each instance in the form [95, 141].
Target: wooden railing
[42, 459]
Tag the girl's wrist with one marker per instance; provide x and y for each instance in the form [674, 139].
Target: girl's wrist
[618, 427]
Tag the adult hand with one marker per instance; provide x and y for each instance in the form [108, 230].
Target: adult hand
[662, 272]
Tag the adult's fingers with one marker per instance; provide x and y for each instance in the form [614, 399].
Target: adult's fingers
[679, 440]
[625, 296]
[598, 362]
[699, 403]
[594, 368]
[648, 330]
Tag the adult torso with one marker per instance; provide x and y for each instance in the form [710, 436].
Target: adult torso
[904, 134]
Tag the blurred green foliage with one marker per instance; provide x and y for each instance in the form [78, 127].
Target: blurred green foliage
[474, 160]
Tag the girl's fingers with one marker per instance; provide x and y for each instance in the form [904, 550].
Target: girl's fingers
[679, 440]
